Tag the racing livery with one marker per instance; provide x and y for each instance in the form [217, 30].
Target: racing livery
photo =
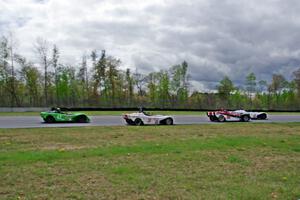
[255, 115]
[141, 118]
[55, 115]
[225, 115]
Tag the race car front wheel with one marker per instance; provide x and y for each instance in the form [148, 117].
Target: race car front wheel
[138, 122]
[130, 122]
[169, 121]
[82, 119]
[49, 119]
[262, 116]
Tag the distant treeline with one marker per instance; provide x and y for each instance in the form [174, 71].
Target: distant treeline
[104, 84]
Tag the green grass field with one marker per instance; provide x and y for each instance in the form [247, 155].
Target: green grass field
[117, 113]
[228, 161]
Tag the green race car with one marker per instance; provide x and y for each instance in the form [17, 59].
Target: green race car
[56, 115]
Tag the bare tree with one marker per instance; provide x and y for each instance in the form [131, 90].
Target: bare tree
[11, 51]
[4, 72]
[140, 82]
[99, 68]
[278, 83]
[297, 80]
[55, 56]
[42, 49]
[83, 73]
[82, 77]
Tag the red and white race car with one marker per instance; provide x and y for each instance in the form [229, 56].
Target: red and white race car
[141, 118]
[225, 115]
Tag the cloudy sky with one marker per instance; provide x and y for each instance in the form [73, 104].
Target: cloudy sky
[216, 38]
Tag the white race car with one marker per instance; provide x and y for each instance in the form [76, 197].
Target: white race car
[254, 115]
[141, 118]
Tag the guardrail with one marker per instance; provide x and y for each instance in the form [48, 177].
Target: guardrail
[23, 109]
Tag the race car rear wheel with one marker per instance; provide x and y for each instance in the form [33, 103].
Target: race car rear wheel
[49, 119]
[138, 122]
[169, 121]
[130, 122]
[262, 116]
[221, 118]
[245, 118]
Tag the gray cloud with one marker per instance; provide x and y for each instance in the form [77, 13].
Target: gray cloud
[216, 38]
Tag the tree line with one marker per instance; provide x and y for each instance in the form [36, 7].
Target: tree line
[99, 81]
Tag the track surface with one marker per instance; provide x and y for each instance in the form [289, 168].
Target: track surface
[35, 122]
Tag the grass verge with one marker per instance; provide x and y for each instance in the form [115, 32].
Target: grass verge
[232, 161]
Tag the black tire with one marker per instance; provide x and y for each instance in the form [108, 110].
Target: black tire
[82, 119]
[221, 118]
[169, 121]
[138, 122]
[130, 122]
[262, 116]
[245, 118]
[212, 118]
[49, 119]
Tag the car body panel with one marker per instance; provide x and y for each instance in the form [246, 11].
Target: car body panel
[255, 115]
[63, 116]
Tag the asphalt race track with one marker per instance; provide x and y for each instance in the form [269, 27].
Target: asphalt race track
[36, 121]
